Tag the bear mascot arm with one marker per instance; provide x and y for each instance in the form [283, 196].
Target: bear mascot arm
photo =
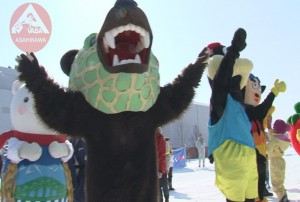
[175, 97]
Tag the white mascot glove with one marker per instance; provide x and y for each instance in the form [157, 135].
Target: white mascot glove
[61, 150]
[13, 147]
[18, 150]
[30, 151]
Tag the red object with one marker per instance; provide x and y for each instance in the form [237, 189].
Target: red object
[161, 152]
[213, 45]
[293, 136]
[41, 139]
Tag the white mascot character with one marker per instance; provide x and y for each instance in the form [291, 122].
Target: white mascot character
[35, 166]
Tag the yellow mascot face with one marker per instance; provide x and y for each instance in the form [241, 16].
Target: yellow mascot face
[253, 91]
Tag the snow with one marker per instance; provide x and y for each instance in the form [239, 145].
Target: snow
[196, 184]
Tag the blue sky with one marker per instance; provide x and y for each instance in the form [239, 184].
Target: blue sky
[181, 29]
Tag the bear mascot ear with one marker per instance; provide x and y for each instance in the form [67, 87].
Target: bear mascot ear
[67, 60]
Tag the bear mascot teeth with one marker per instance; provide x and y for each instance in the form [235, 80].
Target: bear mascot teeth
[35, 166]
[115, 102]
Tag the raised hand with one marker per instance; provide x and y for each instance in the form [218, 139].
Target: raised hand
[203, 56]
[30, 151]
[18, 150]
[278, 87]
[238, 42]
[58, 150]
[29, 67]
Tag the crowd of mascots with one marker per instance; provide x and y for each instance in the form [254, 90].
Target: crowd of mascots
[98, 139]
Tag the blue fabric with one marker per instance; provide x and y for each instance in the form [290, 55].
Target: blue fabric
[234, 125]
[179, 158]
[44, 179]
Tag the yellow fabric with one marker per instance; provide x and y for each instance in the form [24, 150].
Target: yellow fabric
[277, 168]
[264, 200]
[298, 135]
[268, 116]
[278, 87]
[236, 171]
[242, 67]
[9, 182]
[69, 182]
[260, 142]
[276, 148]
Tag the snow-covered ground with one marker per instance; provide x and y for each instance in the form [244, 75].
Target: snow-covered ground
[196, 184]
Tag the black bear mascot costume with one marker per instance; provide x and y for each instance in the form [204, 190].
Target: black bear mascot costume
[115, 102]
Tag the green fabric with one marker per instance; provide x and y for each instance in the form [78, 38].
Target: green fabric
[236, 171]
[113, 92]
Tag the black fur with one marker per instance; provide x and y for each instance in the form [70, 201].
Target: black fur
[121, 147]
[67, 60]
[223, 82]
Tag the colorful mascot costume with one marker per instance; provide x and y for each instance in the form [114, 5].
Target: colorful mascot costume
[257, 114]
[34, 166]
[294, 121]
[230, 141]
[115, 103]
[278, 143]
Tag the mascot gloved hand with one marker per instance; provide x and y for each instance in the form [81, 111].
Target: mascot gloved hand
[61, 150]
[279, 87]
[238, 42]
[18, 150]
[30, 151]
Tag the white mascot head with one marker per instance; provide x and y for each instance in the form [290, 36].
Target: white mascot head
[26, 121]
[23, 114]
